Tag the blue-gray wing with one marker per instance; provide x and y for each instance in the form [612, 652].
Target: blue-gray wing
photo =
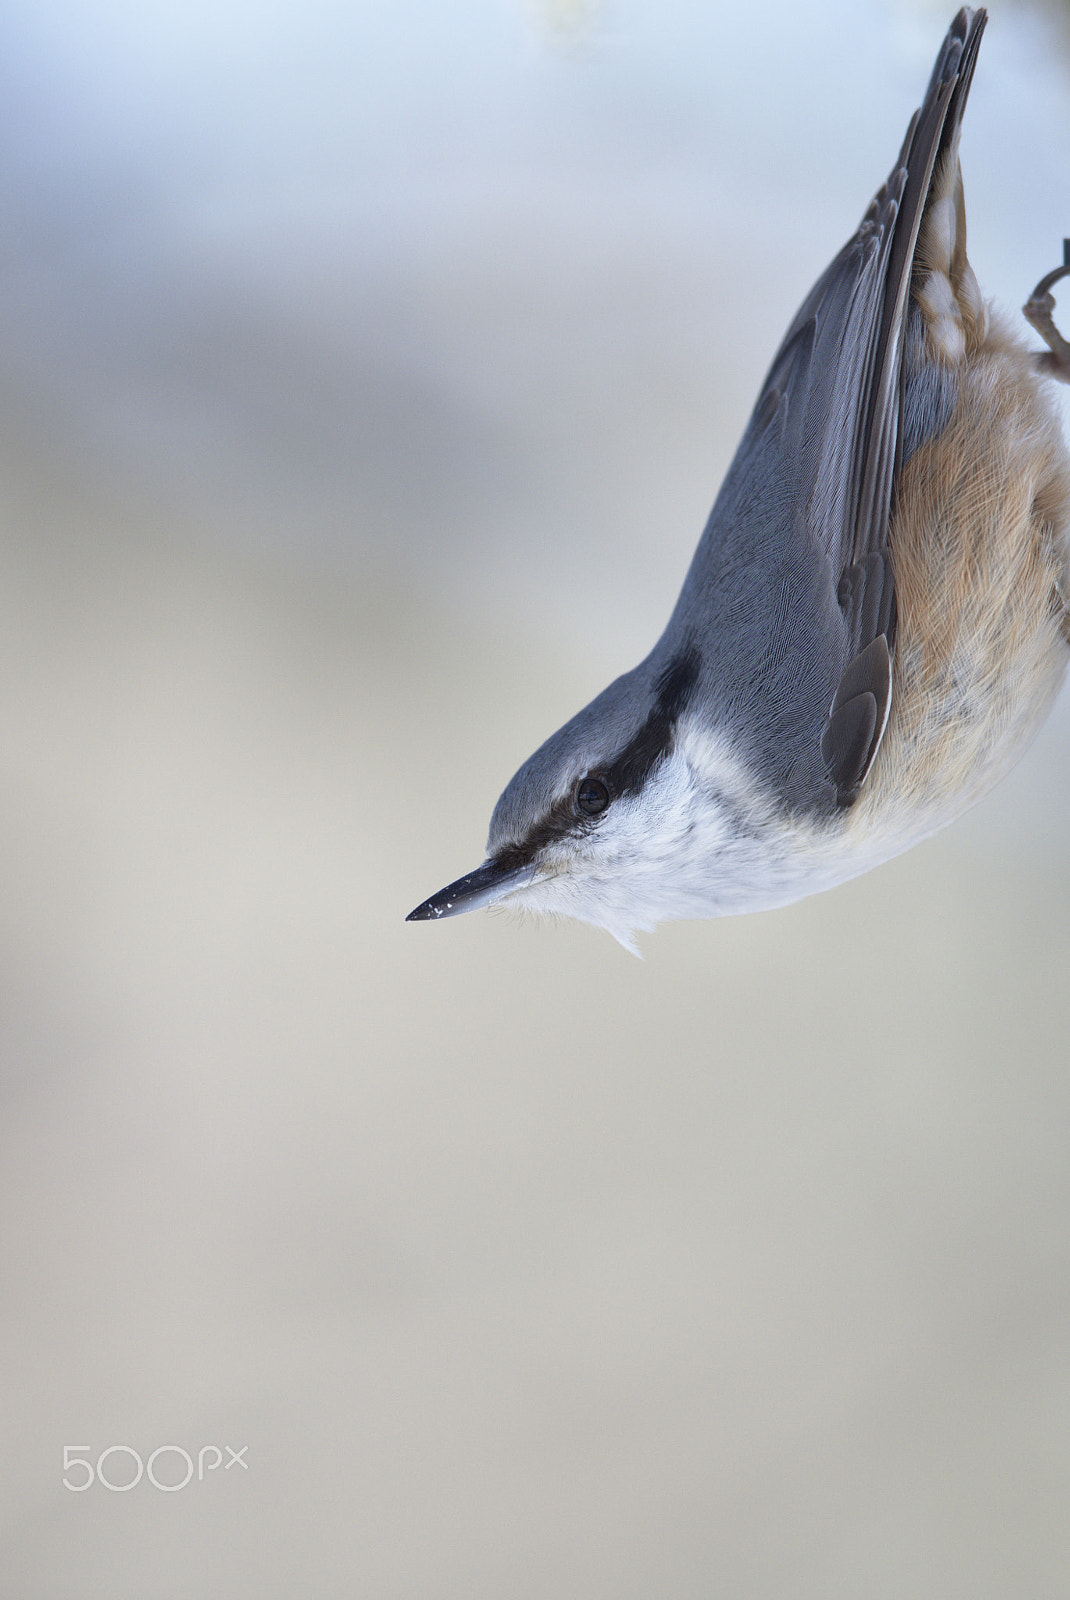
[797, 543]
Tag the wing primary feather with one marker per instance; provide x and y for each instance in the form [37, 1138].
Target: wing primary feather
[866, 588]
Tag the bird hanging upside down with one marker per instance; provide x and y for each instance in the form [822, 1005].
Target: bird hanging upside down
[875, 621]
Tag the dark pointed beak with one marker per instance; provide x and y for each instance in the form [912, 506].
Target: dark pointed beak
[483, 887]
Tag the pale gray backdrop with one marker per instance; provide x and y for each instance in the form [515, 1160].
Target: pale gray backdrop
[368, 373]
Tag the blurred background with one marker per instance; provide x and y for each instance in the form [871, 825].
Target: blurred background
[368, 373]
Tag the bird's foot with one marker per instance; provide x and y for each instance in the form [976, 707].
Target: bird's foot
[1055, 360]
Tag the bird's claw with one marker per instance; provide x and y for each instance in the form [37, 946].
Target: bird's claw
[1055, 360]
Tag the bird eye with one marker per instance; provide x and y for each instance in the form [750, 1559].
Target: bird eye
[592, 796]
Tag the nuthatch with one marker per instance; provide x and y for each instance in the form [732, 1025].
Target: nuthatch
[875, 621]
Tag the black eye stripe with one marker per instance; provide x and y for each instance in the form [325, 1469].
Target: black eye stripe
[654, 740]
[627, 774]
